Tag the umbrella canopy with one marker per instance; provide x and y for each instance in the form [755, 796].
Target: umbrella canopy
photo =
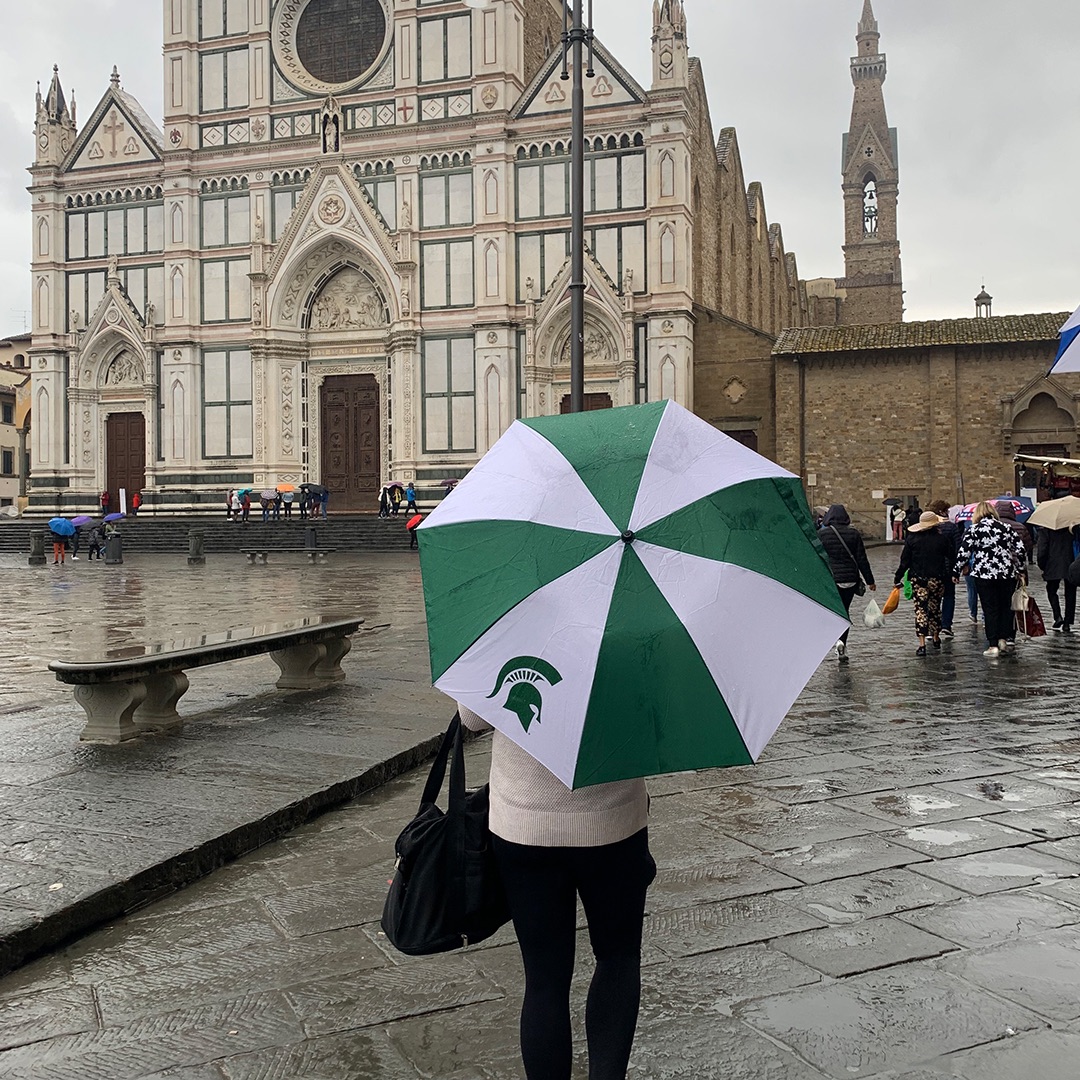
[61, 526]
[270, 494]
[1068, 355]
[315, 489]
[894, 501]
[451, 484]
[1020, 503]
[612, 590]
[1057, 514]
[242, 492]
[414, 521]
[113, 517]
[286, 488]
[82, 519]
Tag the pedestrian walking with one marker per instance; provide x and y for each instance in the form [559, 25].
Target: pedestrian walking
[74, 545]
[1007, 513]
[229, 504]
[384, 503]
[848, 562]
[136, 502]
[395, 500]
[277, 506]
[324, 501]
[952, 531]
[237, 505]
[410, 498]
[1054, 554]
[305, 503]
[911, 517]
[96, 544]
[552, 846]
[245, 507]
[105, 500]
[412, 525]
[899, 516]
[927, 559]
[265, 504]
[992, 554]
[287, 502]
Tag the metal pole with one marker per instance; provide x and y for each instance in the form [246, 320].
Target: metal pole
[578, 37]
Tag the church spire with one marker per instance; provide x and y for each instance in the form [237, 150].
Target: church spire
[55, 127]
[671, 57]
[867, 24]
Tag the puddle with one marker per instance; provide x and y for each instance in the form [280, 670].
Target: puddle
[940, 837]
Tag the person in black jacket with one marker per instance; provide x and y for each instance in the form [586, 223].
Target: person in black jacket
[1054, 554]
[952, 531]
[847, 560]
[927, 558]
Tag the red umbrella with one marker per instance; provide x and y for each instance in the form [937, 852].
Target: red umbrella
[414, 521]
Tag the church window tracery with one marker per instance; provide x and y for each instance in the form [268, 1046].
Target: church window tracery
[449, 393]
[227, 403]
[447, 274]
[870, 207]
[226, 290]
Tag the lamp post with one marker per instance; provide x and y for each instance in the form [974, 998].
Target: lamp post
[577, 34]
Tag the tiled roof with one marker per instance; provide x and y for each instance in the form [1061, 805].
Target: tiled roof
[998, 330]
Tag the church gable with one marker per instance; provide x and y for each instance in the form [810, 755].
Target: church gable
[550, 93]
[114, 136]
[869, 152]
[333, 203]
[116, 314]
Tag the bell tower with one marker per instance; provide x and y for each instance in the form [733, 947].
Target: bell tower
[873, 283]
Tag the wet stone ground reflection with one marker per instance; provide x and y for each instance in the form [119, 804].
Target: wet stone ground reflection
[894, 892]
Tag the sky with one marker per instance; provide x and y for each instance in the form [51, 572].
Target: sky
[984, 96]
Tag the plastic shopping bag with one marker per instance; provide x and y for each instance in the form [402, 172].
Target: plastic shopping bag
[873, 616]
[893, 602]
[909, 589]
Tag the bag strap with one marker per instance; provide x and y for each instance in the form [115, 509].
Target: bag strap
[848, 550]
[451, 741]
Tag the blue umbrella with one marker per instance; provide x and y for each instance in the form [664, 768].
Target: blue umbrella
[61, 526]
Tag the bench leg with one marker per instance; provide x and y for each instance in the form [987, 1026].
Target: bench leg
[158, 710]
[330, 669]
[109, 708]
[262, 557]
[322, 556]
[310, 556]
[298, 664]
[251, 558]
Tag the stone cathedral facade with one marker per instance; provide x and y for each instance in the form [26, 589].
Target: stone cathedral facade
[342, 257]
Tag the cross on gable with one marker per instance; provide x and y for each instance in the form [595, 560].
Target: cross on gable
[869, 151]
[113, 129]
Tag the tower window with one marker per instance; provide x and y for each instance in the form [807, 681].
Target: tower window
[870, 207]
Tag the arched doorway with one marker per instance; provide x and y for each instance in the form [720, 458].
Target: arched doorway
[125, 457]
[592, 403]
[351, 451]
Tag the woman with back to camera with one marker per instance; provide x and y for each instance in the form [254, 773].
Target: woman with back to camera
[847, 560]
[994, 556]
[928, 557]
[553, 845]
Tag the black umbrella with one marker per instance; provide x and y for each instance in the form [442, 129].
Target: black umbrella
[894, 501]
[315, 489]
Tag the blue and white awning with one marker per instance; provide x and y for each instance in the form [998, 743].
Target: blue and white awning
[1068, 357]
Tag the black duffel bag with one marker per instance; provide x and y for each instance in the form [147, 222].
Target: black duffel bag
[1072, 575]
[446, 891]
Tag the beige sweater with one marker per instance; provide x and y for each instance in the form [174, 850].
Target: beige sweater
[529, 805]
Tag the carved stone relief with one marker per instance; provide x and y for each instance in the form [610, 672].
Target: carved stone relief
[125, 370]
[348, 301]
[599, 348]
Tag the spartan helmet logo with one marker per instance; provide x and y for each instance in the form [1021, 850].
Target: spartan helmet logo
[524, 699]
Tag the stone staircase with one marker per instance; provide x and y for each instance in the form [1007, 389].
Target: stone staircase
[345, 533]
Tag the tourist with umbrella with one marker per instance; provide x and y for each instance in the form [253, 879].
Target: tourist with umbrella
[60, 530]
[604, 590]
[412, 525]
[1055, 554]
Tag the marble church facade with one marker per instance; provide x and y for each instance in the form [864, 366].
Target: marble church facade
[343, 256]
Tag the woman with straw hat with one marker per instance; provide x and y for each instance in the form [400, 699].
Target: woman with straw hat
[927, 559]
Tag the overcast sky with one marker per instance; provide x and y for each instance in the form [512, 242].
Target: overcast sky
[984, 95]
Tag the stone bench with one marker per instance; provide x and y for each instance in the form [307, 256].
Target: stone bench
[259, 555]
[133, 690]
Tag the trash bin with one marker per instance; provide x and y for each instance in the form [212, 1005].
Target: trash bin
[114, 550]
[37, 549]
[311, 541]
[196, 548]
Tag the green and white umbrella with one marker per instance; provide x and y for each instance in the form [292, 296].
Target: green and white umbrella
[627, 592]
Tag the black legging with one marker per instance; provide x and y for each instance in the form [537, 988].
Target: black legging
[542, 885]
[846, 596]
[995, 595]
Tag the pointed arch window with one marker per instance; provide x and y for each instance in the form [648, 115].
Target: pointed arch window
[870, 206]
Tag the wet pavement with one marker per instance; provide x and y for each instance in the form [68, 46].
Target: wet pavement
[894, 891]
